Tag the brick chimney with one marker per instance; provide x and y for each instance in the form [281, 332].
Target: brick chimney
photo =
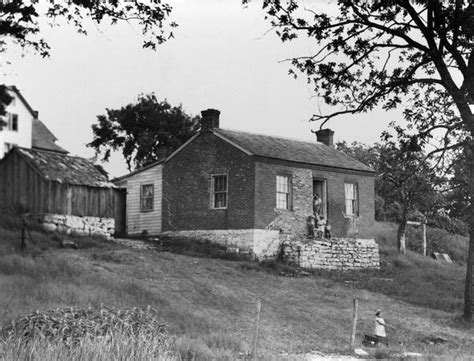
[325, 136]
[210, 119]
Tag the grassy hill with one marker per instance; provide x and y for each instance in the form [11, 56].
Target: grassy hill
[210, 303]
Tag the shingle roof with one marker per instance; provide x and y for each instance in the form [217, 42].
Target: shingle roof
[291, 150]
[42, 138]
[63, 168]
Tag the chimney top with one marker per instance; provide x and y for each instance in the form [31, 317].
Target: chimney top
[210, 119]
[325, 136]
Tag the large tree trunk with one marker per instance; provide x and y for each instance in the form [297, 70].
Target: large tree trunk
[469, 290]
[401, 234]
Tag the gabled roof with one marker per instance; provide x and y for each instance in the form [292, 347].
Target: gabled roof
[13, 88]
[42, 138]
[126, 176]
[63, 168]
[292, 150]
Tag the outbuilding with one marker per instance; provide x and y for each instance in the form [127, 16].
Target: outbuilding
[65, 193]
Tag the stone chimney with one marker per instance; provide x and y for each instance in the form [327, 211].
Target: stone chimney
[325, 136]
[210, 119]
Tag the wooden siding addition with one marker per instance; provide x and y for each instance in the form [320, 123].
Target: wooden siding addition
[137, 220]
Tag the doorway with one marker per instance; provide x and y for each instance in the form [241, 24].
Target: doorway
[320, 189]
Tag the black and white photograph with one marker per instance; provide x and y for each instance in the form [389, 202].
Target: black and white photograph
[236, 180]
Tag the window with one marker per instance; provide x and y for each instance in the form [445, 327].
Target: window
[352, 202]
[13, 122]
[146, 197]
[282, 192]
[219, 191]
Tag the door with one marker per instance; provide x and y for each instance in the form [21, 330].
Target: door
[120, 211]
[320, 190]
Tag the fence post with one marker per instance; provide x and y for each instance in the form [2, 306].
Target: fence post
[424, 238]
[355, 306]
[255, 336]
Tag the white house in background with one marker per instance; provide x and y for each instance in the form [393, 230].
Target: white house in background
[23, 128]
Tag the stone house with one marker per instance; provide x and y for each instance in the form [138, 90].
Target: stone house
[251, 188]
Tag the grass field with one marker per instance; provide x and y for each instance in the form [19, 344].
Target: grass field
[210, 303]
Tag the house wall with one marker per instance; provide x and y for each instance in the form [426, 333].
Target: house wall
[23, 136]
[21, 184]
[138, 221]
[294, 221]
[187, 186]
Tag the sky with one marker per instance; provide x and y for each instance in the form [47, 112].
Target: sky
[223, 56]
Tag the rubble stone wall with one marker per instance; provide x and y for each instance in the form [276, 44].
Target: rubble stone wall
[333, 254]
[83, 226]
[259, 242]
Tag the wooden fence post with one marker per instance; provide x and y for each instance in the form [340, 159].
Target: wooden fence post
[424, 238]
[255, 336]
[355, 306]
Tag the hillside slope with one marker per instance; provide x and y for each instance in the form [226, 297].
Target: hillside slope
[210, 304]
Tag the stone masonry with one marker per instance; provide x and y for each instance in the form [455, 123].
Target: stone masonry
[334, 254]
[83, 226]
[261, 243]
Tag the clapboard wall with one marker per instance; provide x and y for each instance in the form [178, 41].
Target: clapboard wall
[21, 184]
[137, 220]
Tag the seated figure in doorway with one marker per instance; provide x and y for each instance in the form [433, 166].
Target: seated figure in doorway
[311, 223]
[321, 226]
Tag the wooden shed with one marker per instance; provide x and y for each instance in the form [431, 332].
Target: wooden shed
[144, 195]
[66, 193]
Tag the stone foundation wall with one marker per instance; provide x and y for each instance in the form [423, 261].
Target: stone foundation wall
[83, 226]
[334, 254]
[259, 242]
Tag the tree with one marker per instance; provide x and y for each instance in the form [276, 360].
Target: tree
[406, 183]
[389, 54]
[145, 131]
[406, 177]
[19, 22]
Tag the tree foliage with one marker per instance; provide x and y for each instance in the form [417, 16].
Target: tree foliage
[145, 131]
[389, 54]
[406, 183]
[19, 22]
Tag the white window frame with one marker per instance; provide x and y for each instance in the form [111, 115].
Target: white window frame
[214, 192]
[143, 198]
[351, 197]
[281, 193]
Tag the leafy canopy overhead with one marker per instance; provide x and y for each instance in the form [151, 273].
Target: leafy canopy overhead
[145, 131]
[386, 53]
[20, 22]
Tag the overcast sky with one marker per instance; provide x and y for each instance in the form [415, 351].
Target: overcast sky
[223, 56]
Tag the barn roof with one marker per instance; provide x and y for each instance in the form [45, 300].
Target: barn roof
[64, 168]
[42, 138]
[291, 150]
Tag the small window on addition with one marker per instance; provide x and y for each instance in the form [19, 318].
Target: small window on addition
[283, 192]
[219, 191]
[146, 197]
[352, 199]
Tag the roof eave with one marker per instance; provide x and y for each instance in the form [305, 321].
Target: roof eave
[135, 172]
[372, 172]
[22, 98]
